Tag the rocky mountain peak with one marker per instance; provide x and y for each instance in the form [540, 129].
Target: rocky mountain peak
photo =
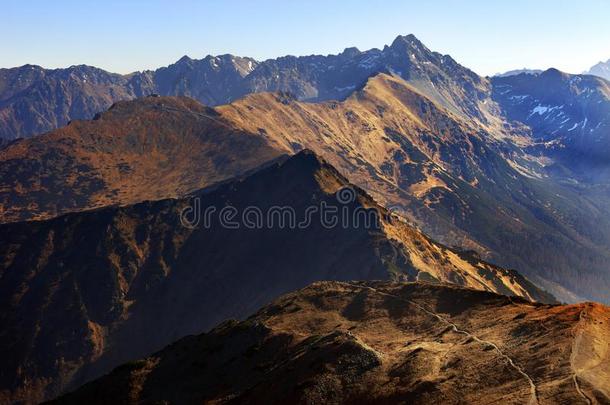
[350, 52]
[184, 59]
[554, 73]
[602, 69]
[409, 42]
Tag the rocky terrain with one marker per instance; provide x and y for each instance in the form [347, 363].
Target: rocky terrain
[35, 100]
[473, 161]
[463, 181]
[107, 253]
[148, 149]
[84, 292]
[569, 115]
[379, 342]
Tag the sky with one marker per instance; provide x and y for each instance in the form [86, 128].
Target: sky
[129, 35]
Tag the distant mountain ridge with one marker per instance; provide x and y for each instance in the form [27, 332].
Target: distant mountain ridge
[569, 114]
[35, 100]
[518, 72]
[602, 69]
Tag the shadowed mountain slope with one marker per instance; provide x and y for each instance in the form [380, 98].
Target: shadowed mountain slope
[84, 292]
[34, 100]
[569, 115]
[376, 342]
[463, 182]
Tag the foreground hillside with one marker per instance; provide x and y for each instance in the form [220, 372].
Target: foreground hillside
[84, 292]
[376, 342]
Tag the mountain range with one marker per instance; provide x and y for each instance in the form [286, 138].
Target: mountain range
[569, 115]
[466, 177]
[471, 182]
[518, 72]
[68, 316]
[35, 100]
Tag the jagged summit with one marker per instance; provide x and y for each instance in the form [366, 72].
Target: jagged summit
[184, 59]
[516, 72]
[602, 69]
[351, 52]
[216, 80]
[409, 41]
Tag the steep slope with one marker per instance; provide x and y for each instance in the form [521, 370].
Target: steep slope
[82, 293]
[336, 76]
[35, 100]
[464, 182]
[569, 115]
[147, 149]
[374, 342]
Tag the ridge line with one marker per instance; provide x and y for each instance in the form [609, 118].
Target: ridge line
[533, 388]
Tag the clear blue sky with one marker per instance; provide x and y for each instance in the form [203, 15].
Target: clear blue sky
[124, 36]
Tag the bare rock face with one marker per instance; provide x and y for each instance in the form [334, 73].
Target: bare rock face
[85, 292]
[379, 342]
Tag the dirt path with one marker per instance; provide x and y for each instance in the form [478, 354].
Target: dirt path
[455, 328]
[575, 346]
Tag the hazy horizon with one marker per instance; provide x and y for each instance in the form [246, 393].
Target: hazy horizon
[136, 36]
